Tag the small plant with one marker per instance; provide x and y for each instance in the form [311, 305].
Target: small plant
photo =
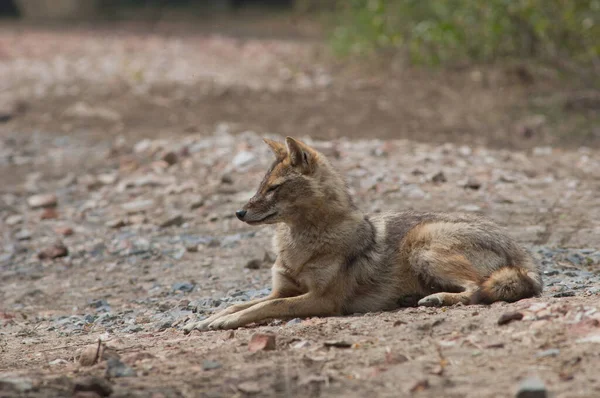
[447, 31]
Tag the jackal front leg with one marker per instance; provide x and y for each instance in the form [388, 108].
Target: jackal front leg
[203, 325]
[308, 304]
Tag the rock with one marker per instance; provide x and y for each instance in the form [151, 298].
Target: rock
[174, 220]
[293, 322]
[183, 287]
[93, 384]
[207, 364]
[115, 223]
[226, 179]
[472, 183]
[64, 231]
[439, 178]
[508, 317]
[138, 206]
[249, 387]
[395, 358]
[14, 219]
[469, 208]
[243, 159]
[170, 158]
[196, 202]
[254, 264]
[23, 234]
[49, 213]
[107, 179]
[116, 368]
[532, 387]
[42, 200]
[262, 342]
[55, 251]
[337, 344]
[552, 352]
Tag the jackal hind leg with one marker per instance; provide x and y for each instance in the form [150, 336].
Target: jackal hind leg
[451, 276]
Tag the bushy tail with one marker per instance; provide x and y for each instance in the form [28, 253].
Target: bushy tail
[508, 284]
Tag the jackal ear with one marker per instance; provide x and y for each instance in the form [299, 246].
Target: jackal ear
[277, 148]
[301, 155]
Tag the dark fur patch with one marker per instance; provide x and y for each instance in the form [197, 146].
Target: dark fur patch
[401, 224]
[366, 245]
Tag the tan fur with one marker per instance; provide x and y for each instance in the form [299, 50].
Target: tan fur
[332, 259]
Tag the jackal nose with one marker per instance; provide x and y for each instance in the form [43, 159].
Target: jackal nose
[240, 214]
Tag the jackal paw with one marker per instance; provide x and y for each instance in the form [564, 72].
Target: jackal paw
[433, 300]
[202, 325]
[225, 322]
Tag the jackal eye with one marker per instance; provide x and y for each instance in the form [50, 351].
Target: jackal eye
[273, 188]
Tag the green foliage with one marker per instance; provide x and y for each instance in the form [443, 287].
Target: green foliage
[446, 31]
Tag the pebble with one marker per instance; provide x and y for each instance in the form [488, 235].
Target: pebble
[116, 368]
[23, 234]
[137, 206]
[207, 364]
[508, 317]
[255, 263]
[262, 342]
[42, 200]
[14, 219]
[49, 213]
[183, 287]
[532, 387]
[552, 352]
[249, 387]
[55, 251]
[174, 220]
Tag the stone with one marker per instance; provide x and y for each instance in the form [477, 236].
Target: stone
[472, 183]
[115, 223]
[55, 251]
[137, 206]
[262, 342]
[14, 219]
[196, 202]
[439, 177]
[174, 220]
[170, 158]
[207, 364]
[42, 200]
[508, 317]
[255, 263]
[552, 352]
[64, 231]
[249, 387]
[531, 387]
[183, 287]
[23, 234]
[49, 213]
[116, 368]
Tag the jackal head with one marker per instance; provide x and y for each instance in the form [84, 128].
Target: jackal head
[299, 185]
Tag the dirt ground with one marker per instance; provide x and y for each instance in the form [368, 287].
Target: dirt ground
[125, 151]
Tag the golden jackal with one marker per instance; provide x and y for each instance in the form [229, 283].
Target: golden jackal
[332, 259]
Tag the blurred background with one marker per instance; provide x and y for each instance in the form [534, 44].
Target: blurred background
[503, 73]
